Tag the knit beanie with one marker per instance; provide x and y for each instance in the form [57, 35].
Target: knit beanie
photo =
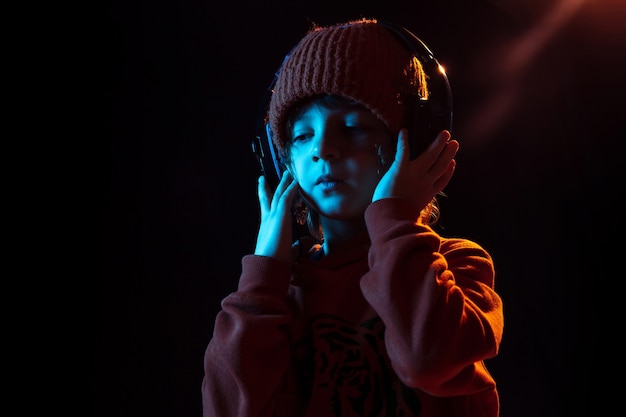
[360, 60]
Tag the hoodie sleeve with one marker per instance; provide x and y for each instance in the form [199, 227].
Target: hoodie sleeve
[436, 297]
[248, 356]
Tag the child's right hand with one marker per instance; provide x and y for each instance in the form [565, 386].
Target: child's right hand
[274, 238]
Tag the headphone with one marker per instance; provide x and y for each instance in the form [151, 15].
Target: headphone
[423, 118]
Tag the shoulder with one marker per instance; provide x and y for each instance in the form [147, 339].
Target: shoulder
[463, 244]
[468, 258]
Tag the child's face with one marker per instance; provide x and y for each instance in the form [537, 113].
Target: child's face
[334, 158]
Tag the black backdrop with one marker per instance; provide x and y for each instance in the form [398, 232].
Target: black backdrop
[536, 112]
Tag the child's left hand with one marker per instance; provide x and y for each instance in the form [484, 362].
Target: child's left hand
[419, 180]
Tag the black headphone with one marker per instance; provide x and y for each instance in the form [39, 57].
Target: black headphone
[424, 118]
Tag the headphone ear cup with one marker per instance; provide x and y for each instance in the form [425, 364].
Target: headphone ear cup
[263, 147]
[425, 118]
[417, 120]
[267, 155]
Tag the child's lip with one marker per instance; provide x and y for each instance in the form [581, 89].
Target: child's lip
[327, 179]
[330, 185]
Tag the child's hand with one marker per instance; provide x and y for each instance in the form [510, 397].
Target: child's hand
[274, 238]
[421, 179]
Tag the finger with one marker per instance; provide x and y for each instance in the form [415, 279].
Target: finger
[285, 190]
[402, 146]
[440, 142]
[429, 157]
[446, 155]
[445, 177]
[290, 191]
[263, 194]
[285, 180]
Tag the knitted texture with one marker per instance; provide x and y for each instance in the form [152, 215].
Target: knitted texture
[360, 60]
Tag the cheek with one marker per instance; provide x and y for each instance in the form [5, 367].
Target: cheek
[299, 171]
[369, 163]
[372, 178]
[368, 171]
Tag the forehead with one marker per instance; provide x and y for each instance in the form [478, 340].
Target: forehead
[345, 114]
[331, 102]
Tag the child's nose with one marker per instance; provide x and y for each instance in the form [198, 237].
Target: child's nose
[325, 146]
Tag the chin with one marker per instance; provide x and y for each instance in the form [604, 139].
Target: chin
[347, 214]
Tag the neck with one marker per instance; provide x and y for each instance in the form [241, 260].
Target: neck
[337, 233]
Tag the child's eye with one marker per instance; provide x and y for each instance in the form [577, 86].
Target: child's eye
[302, 137]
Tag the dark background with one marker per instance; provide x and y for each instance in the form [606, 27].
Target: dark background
[537, 111]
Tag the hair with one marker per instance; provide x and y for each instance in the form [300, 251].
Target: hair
[305, 214]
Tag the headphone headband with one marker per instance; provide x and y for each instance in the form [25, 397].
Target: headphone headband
[423, 118]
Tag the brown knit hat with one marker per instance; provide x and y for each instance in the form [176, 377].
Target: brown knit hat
[361, 60]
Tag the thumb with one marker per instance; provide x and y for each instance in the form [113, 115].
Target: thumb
[402, 147]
